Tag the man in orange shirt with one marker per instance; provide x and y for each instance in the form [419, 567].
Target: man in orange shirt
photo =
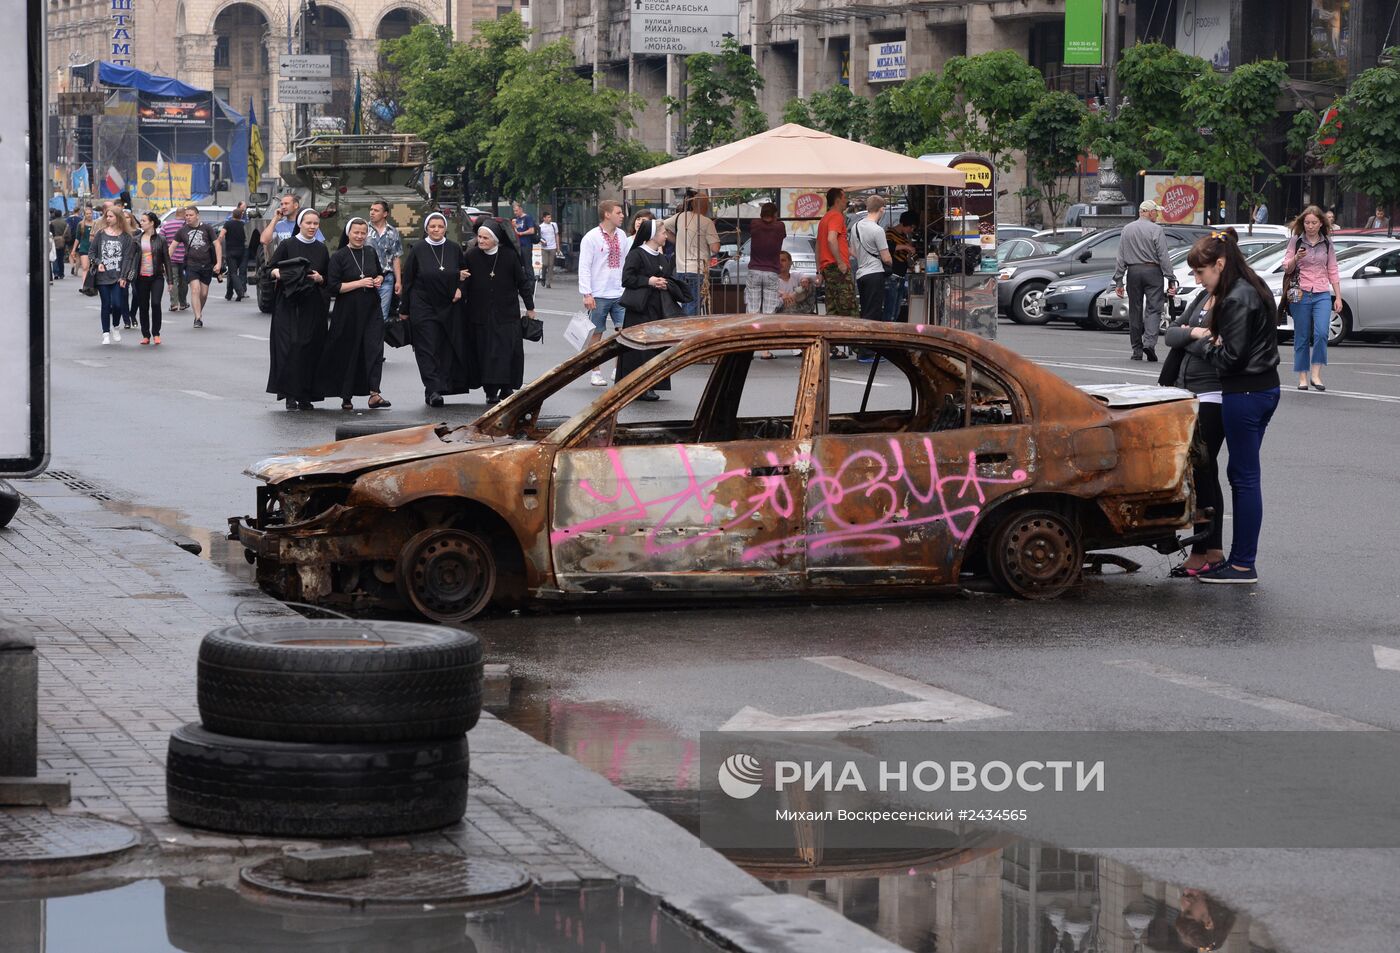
[834, 257]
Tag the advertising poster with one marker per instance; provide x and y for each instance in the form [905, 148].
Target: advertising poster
[167, 112]
[801, 209]
[1083, 33]
[1182, 197]
[166, 185]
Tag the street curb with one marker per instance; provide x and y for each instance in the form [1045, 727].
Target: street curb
[693, 881]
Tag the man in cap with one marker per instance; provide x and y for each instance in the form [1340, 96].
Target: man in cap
[1142, 257]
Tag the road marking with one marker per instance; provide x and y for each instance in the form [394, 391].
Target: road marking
[1387, 658]
[1378, 373]
[1313, 716]
[252, 337]
[847, 380]
[1354, 395]
[565, 314]
[932, 705]
[87, 363]
[202, 394]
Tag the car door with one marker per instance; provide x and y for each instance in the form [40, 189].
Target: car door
[1103, 255]
[701, 492]
[1375, 299]
[899, 481]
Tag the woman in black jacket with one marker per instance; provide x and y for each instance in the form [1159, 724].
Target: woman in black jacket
[645, 295]
[1240, 340]
[153, 259]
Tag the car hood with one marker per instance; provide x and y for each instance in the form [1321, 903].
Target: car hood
[1135, 395]
[359, 454]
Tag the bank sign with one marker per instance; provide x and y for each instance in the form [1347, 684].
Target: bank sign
[1084, 32]
[887, 63]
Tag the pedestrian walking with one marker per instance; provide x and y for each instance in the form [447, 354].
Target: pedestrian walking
[58, 231]
[384, 238]
[1311, 265]
[1142, 257]
[1198, 375]
[353, 360]
[150, 278]
[203, 259]
[234, 235]
[1261, 213]
[82, 242]
[549, 247]
[133, 228]
[1379, 220]
[282, 225]
[1330, 217]
[75, 221]
[899, 240]
[114, 257]
[697, 241]
[834, 261]
[638, 217]
[872, 259]
[766, 237]
[600, 256]
[433, 275]
[646, 296]
[526, 236]
[299, 314]
[175, 276]
[1241, 340]
[499, 280]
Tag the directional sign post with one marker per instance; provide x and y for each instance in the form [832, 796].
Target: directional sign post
[682, 27]
[304, 66]
[304, 91]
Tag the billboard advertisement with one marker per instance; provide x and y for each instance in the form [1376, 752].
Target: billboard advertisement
[175, 112]
[1083, 33]
[1182, 197]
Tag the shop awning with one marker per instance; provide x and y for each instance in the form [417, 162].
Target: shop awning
[793, 156]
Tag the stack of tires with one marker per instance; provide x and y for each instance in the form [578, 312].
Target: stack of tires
[325, 729]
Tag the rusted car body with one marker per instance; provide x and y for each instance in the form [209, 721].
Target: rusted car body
[988, 463]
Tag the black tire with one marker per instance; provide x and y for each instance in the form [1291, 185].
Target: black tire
[447, 575]
[324, 682]
[365, 428]
[279, 789]
[1028, 304]
[1036, 554]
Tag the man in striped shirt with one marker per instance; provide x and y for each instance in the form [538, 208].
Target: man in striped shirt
[175, 254]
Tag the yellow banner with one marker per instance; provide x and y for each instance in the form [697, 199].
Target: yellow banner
[164, 189]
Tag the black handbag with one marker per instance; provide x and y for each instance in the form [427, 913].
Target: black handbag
[396, 333]
[532, 329]
[89, 287]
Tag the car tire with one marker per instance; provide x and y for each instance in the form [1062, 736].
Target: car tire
[1339, 327]
[283, 789]
[1028, 303]
[1111, 325]
[447, 575]
[339, 682]
[1035, 554]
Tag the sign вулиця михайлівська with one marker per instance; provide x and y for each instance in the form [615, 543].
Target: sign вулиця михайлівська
[682, 27]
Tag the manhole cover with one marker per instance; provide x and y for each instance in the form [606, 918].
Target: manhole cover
[401, 878]
[29, 837]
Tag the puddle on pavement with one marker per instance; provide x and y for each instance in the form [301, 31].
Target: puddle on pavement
[993, 893]
[150, 917]
[214, 545]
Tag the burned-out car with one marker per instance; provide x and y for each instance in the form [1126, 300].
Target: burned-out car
[800, 475]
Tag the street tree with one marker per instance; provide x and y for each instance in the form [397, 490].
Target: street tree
[721, 101]
[837, 111]
[549, 119]
[980, 100]
[1053, 130]
[1153, 80]
[1367, 128]
[894, 123]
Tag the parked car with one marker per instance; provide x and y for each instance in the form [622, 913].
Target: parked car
[753, 478]
[1110, 312]
[1370, 293]
[1019, 248]
[802, 248]
[1259, 231]
[1060, 237]
[1021, 285]
[1007, 232]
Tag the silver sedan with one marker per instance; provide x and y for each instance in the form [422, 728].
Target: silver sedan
[1370, 293]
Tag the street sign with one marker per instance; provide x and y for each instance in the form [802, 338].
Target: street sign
[304, 66]
[24, 251]
[887, 62]
[682, 26]
[304, 91]
[214, 151]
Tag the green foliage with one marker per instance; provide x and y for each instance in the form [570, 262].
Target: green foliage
[1237, 110]
[1053, 130]
[1302, 136]
[1154, 79]
[837, 111]
[894, 124]
[721, 103]
[1368, 118]
[980, 101]
[521, 120]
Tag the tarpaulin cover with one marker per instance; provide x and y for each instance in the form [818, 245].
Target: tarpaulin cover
[110, 74]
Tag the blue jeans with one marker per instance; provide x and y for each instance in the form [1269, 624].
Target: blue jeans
[386, 293]
[602, 308]
[692, 281]
[1246, 417]
[113, 299]
[1312, 319]
[896, 287]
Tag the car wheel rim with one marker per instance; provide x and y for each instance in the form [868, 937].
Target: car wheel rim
[449, 576]
[1040, 555]
[1033, 303]
[1334, 328]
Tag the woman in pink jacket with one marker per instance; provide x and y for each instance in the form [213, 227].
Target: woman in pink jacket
[1311, 253]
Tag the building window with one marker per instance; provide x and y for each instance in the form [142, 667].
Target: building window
[222, 92]
[221, 52]
[503, 9]
[340, 57]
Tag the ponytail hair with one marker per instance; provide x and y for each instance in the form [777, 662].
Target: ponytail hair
[1225, 246]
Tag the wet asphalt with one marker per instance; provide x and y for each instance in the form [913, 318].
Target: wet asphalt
[168, 431]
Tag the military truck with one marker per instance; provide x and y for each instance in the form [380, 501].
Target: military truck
[341, 176]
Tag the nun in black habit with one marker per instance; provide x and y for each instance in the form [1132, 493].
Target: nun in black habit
[353, 360]
[298, 330]
[433, 275]
[497, 284]
[645, 295]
